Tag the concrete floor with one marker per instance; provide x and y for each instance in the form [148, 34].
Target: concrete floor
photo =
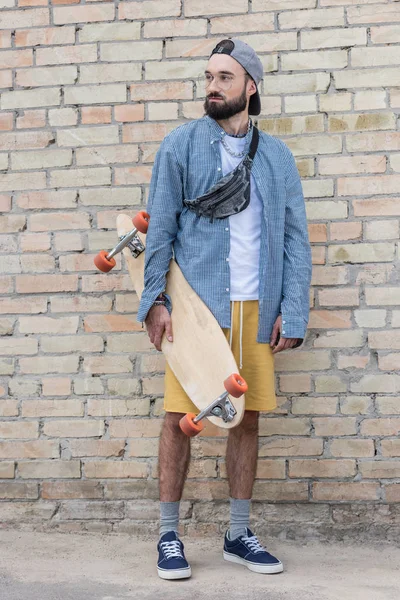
[57, 566]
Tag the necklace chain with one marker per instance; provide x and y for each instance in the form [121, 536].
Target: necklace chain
[229, 150]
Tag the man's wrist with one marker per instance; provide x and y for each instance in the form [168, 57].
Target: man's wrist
[161, 300]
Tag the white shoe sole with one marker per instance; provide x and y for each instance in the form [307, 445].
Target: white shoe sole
[179, 574]
[257, 568]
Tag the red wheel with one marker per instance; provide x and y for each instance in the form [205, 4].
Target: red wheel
[189, 427]
[235, 385]
[103, 263]
[141, 221]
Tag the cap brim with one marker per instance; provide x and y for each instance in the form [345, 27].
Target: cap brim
[255, 104]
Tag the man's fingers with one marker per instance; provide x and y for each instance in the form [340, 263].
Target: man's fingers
[279, 347]
[284, 344]
[168, 330]
[157, 341]
[274, 335]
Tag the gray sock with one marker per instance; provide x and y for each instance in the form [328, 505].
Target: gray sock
[240, 518]
[169, 520]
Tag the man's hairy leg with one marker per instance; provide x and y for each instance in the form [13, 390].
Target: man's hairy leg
[241, 465]
[173, 458]
[241, 456]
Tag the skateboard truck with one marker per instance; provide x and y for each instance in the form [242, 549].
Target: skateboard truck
[222, 407]
[105, 261]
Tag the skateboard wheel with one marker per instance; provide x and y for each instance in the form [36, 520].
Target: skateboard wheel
[189, 427]
[235, 385]
[103, 263]
[141, 221]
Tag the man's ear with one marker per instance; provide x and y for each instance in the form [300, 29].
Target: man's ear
[252, 88]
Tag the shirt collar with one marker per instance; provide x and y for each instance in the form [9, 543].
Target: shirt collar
[215, 129]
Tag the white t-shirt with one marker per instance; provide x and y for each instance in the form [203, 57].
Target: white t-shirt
[245, 232]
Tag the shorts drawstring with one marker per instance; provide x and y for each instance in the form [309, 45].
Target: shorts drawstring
[240, 334]
[230, 333]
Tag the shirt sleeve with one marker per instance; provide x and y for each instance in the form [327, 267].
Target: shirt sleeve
[164, 206]
[297, 265]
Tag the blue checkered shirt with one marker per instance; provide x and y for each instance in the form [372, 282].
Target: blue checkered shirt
[188, 164]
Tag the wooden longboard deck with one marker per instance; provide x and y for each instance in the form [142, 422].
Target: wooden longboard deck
[199, 355]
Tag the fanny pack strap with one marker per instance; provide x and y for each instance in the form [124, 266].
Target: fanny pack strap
[254, 143]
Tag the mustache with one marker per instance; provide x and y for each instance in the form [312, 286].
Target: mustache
[214, 96]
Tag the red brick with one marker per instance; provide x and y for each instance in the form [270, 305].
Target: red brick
[37, 284]
[57, 221]
[6, 122]
[330, 319]
[128, 113]
[31, 119]
[96, 323]
[317, 232]
[345, 230]
[96, 114]
[146, 132]
[45, 36]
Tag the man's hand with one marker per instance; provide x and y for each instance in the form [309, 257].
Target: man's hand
[158, 320]
[284, 343]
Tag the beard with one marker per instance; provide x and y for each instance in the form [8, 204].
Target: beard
[225, 109]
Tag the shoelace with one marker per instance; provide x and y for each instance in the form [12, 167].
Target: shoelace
[253, 544]
[172, 549]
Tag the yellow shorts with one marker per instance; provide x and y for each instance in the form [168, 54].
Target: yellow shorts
[257, 365]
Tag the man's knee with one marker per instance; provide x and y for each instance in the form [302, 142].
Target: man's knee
[171, 421]
[249, 423]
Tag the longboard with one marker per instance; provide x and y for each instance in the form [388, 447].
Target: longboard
[199, 355]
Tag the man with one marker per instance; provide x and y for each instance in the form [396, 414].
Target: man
[252, 268]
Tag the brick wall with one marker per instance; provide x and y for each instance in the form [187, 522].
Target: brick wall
[88, 91]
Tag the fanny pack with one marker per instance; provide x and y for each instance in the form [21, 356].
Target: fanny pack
[231, 194]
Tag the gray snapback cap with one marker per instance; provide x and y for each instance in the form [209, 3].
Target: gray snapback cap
[245, 56]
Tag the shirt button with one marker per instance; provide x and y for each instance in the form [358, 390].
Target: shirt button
[227, 260]
[226, 228]
[283, 332]
[211, 143]
[219, 168]
[283, 322]
[227, 289]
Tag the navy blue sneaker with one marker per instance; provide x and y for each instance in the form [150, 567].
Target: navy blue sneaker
[172, 563]
[247, 550]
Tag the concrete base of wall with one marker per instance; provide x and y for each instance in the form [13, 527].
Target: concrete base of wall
[363, 522]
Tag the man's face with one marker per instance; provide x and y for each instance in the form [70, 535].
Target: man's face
[229, 90]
